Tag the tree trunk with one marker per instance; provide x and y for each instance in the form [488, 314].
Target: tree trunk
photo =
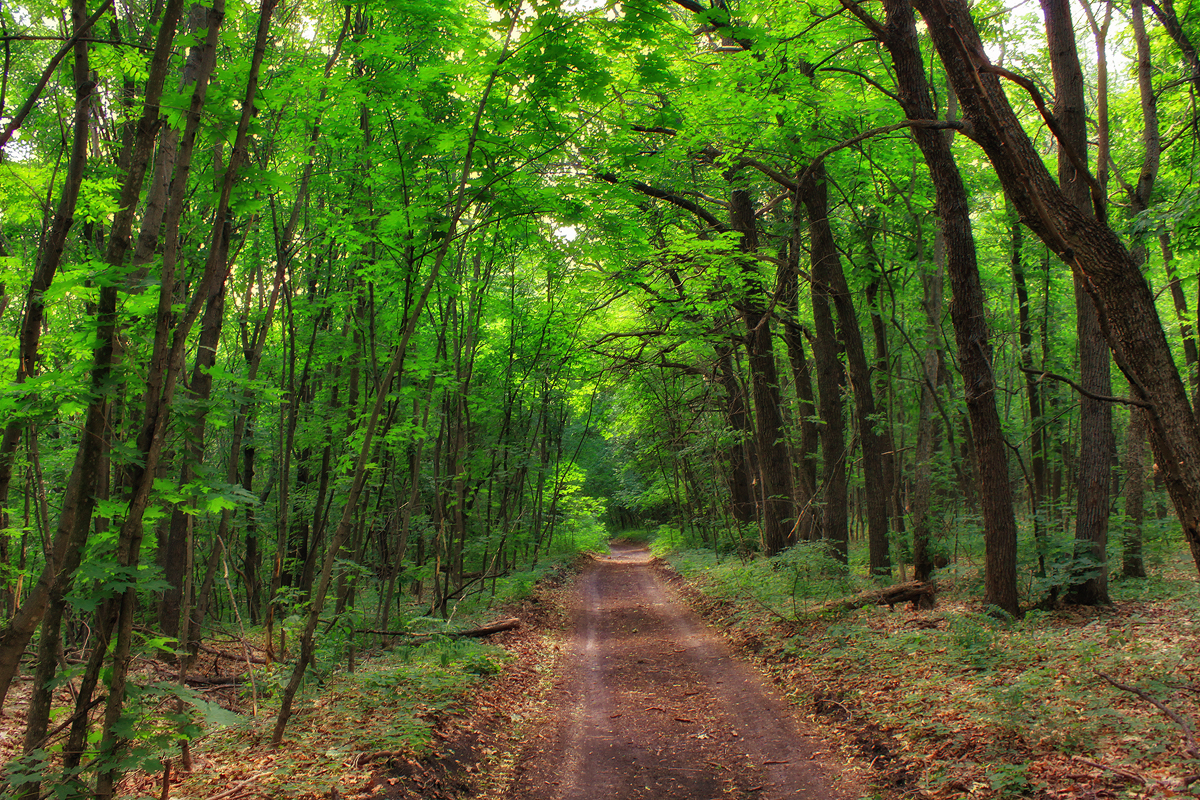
[1133, 565]
[164, 369]
[317, 601]
[835, 522]
[20, 628]
[825, 253]
[1089, 583]
[199, 393]
[931, 283]
[1033, 396]
[741, 495]
[1126, 303]
[966, 311]
[788, 291]
[774, 455]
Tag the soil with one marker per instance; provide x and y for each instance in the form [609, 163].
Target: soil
[652, 704]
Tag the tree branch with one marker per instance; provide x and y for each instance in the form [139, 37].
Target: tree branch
[670, 197]
[935, 124]
[1099, 201]
[1128, 401]
[31, 101]
[1192, 748]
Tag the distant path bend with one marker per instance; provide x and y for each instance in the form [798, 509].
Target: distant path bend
[653, 705]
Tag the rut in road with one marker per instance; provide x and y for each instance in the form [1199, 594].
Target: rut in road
[654, 705]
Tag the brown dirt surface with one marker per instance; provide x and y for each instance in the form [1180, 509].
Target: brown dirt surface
[652, 704]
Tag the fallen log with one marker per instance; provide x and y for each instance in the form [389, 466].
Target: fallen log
[243, 657]
[914, 592]
[216, 680]
[473, 633]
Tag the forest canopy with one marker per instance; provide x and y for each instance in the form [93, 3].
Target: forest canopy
[313, 308]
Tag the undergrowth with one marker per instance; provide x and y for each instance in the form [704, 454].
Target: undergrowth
[390, 704]
[971, 705]
[366, 697]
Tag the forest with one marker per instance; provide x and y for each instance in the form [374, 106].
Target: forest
[327, 326]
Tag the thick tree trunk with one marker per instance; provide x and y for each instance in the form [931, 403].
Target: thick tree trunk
[1126, 303]
[966, 311]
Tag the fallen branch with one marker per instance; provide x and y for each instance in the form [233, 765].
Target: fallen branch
[222, 654]
[1189, 735]
[359, 760]
[237, 787]
[913, 592]
[217, 680]
[473, 633]
[1127, 774]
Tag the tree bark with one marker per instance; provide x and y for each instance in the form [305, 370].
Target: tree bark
[827, 269]
[165, 367]
[19, 631]
[1133, 565]
[1093, 250]
[932, 282]
[835, 521]
[1089, 581]
[966, 309]
[774, 455]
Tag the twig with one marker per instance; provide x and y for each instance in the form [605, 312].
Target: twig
[237, 787]
[1124, 773]
[1192, 749]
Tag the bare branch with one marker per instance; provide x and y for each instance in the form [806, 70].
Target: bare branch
[935, 124]
[1189, 735]
[1128, 401]
[31, 101]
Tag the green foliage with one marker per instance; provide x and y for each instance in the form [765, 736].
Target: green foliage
[788, 585]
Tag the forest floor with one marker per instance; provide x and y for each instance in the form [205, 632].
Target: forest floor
[629, 679]
[1070, 703]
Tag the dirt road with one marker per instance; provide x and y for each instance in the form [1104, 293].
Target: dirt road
[653, 705]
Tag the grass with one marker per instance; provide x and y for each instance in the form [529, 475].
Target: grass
[390, 704]
[962, 704]
[360, 705]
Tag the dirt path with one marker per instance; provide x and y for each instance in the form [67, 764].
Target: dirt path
[653, 705]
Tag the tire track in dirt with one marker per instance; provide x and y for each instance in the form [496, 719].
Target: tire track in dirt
[653, 705]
